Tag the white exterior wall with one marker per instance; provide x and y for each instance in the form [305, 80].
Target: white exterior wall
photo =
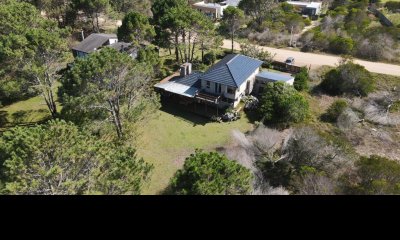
[290, 82]
[208, 90]
[239, 93]
[112, 41]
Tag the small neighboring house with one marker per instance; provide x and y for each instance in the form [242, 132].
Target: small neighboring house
[223, 85]
[214, 10]
[311, 9]
[266, 76]
[97, 41]
[93, 42]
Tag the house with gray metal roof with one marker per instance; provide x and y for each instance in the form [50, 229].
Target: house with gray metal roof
[97, 41]
[93, 42]
[222, 85]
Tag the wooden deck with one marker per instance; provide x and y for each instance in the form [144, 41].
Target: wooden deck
[207, 97]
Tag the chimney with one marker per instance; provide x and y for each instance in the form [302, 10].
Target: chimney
[186, 69]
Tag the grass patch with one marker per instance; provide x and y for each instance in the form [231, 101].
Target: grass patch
[386, 82]
[26, 112]
[170, 137]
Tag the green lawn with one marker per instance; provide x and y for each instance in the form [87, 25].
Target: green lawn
[26, 112]
[170, 137]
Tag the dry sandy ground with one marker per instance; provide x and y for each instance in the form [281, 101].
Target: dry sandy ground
[317, 60]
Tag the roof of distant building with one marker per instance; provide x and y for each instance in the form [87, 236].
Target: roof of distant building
[93, 42]
[233, 3]
[306, 4]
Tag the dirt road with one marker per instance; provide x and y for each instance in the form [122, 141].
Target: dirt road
[317, 60]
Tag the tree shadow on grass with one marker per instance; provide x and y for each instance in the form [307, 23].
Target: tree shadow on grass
[3, 118]
[184, 114]
[167, 191]
[20, 118]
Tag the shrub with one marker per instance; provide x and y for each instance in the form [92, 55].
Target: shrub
[374, 175]
[211, 174]
[335, 110]
[301, 80]
[341, 45]
[392, 5]
[210, 58]
[281, 103]
[348, 78]
[307, 21]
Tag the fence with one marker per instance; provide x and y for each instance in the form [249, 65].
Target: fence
[384, 20]
[283, 67]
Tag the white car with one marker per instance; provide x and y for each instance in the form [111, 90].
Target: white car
[289, 61]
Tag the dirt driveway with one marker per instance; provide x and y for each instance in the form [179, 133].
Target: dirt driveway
[317, 60]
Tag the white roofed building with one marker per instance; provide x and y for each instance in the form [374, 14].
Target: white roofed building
[307, 8]
[214, 10]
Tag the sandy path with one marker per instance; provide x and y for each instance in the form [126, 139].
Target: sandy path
[317, 60]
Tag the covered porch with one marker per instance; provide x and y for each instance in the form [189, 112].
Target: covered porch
[202, 104]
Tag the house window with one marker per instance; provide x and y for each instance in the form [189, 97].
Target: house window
[208, 84]
[231, 90]
[217, 88]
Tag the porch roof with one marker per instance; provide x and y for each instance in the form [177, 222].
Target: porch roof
[186, 86]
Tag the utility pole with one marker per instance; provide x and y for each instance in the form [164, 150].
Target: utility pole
[291, 36]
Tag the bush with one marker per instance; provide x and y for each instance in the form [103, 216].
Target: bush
[286, 7]
[211, 174]
[307, 21]
[301, 80]
[335, 110]
[281, 103]
[392, 5]
[210, 58]
[348, 78]
[341, 45]
[374, 175]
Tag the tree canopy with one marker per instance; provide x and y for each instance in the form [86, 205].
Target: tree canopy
[257, 9]
[32, 50]
[301, 80]
[211, 174]
[59, 158]
[109, 86]
[135, 28]
[232, 21]
[92, 8]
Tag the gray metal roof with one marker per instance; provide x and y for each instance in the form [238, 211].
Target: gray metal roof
[233, 70]
[124, 47]
[93, 42]
[274, 76]
[233, 3]
[187, 86]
